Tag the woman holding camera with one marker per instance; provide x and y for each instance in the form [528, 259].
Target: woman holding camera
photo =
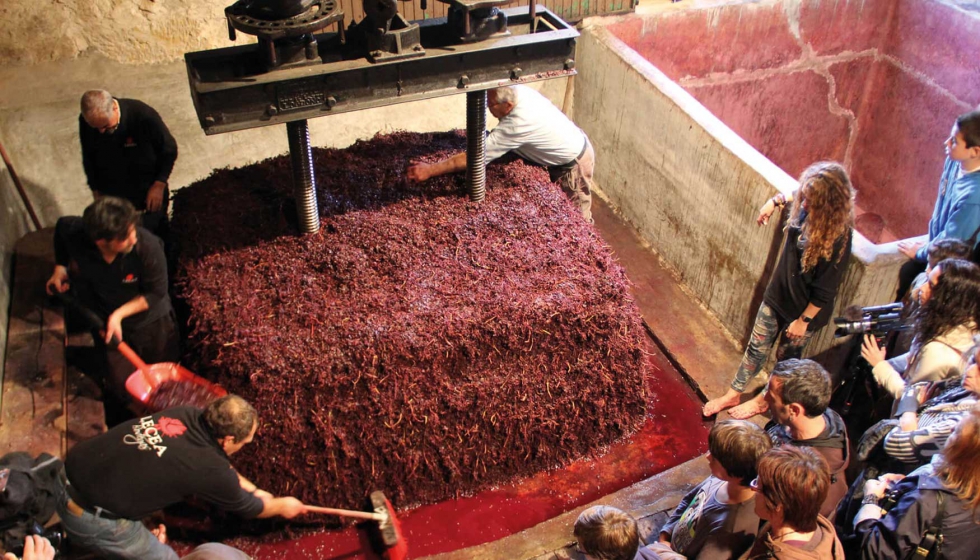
[933, 504]
[800, 295]
[943, 327]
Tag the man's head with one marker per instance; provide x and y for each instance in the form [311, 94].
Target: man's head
[111, 223]
[100, 110]
[735, 446]
[607, 533]
[501, 101]
[232, 422]
[798, 389]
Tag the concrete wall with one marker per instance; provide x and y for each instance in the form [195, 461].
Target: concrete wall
[864, 82]
[39, 128]
[692, 187]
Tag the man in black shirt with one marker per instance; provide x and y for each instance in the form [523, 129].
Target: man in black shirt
[118, 270]
[127, 152]
[149, 463]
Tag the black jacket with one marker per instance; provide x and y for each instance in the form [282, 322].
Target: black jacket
[128, 161]
[893, 536]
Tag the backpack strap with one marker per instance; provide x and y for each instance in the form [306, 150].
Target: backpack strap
[932, 540]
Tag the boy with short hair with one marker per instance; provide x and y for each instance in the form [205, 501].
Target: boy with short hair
[717, 520]
[608, 533]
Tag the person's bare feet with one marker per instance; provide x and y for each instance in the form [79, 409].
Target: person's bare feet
[160, 533]
[728, 400]
[749, 409]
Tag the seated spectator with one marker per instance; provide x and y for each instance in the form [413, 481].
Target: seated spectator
[944, 495]
[792, 483]
[928, 412]
[938, 250]
[798, 395]
[943, 327]
[957, 211]
[717, 519]
[607, 533]
[926, 416]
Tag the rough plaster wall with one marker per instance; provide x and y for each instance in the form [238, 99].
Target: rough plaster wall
[692, 188]
[807, 80]
[131, 31]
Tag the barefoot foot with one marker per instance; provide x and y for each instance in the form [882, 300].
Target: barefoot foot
[749, 409]
[728, 400]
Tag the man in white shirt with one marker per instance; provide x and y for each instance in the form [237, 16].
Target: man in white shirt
[535, 129]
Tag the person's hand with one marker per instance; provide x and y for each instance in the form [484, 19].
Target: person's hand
[113, 327]
[908, 421]
[871, 352]
[36, 547]
[418, 172]
[154, 198]
[766, 212]
[875, 487]
[664, 538]
[291, 507]
[160, 533]
[59, 281]
[796, 329]
[910, 248]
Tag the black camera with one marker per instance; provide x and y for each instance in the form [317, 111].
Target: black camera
[878, 321]
[54, 537]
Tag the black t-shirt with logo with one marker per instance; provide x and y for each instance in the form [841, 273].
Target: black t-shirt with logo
[148, 463]
[104, 287]
[127, 162]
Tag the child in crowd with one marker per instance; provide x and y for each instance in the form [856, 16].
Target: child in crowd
[717, 519]
[607, 533]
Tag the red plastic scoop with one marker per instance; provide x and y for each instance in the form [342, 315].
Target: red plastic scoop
[149, 382]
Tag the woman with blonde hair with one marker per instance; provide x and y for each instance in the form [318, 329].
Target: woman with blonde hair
[800, 296]
[938, 503]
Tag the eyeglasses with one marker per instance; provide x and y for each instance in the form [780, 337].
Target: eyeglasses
[754, 485]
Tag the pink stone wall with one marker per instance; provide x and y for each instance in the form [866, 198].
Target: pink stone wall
[873, 83]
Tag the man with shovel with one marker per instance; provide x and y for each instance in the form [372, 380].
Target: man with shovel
[117, 478]
[118, 270]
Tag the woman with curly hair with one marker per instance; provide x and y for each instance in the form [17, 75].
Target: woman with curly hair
[800, 296]
[944, 495]
[943, 326]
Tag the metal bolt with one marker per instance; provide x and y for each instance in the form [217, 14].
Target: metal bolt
[464, 81]
[331, 101]
[515, 73]
[272, 110]
[209, 120]
[569, 63]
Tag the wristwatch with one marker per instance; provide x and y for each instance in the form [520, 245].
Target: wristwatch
[870, 499]
[806, 319]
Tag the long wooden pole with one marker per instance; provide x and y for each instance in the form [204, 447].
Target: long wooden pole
[20, 187]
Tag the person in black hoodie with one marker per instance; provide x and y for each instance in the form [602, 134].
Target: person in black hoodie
[798, 395]
[127, 152]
